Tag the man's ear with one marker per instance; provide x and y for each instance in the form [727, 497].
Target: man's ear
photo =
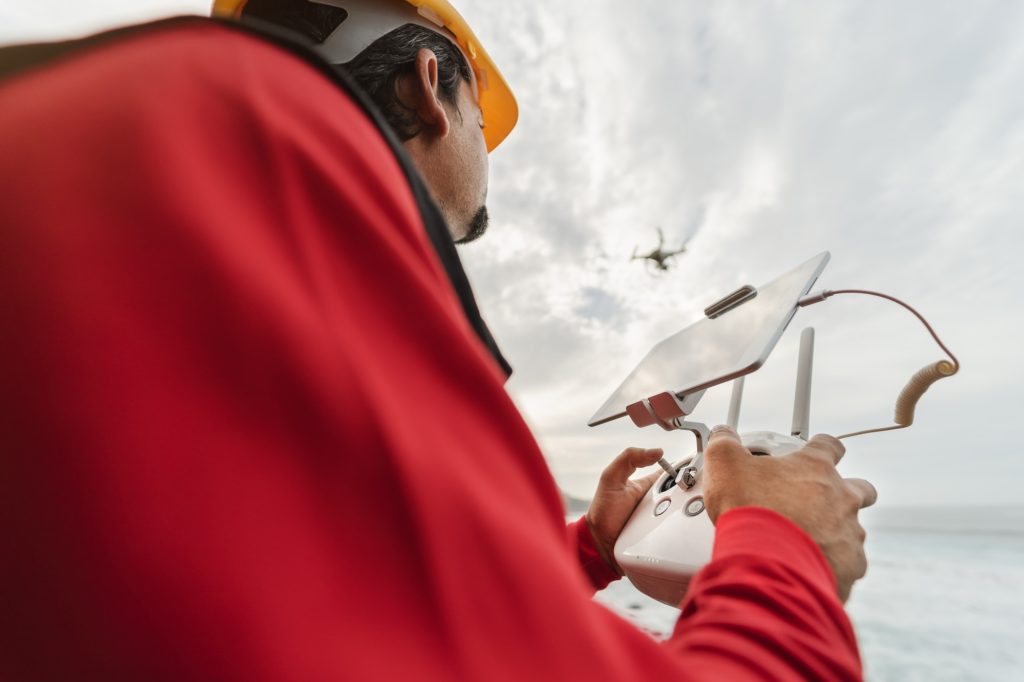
[422, 92]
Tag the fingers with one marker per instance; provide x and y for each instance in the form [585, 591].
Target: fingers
[867, 493]
[628, 461]
[826, 446]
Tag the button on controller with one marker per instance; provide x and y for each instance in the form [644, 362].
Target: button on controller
[662, 507]
[695, 506]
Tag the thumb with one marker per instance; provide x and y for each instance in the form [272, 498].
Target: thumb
[628, 461]
[724, 442]
[722, 460]
[724, 448]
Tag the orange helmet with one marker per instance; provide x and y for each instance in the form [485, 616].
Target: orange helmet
[368, 20]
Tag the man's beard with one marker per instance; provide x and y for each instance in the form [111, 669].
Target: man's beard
[477, 227]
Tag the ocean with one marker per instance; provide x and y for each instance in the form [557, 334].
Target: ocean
[943, 598]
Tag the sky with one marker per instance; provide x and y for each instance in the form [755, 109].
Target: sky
[761, 133]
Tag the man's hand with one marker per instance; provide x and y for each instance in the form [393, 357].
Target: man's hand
[803, 486]
[617, 497]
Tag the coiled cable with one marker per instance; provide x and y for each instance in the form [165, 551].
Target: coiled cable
[919, 383]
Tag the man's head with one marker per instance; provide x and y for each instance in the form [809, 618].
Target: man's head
[422, 82]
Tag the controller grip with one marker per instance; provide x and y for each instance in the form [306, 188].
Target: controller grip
[916, 387]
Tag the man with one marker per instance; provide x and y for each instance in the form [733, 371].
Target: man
[254, 427]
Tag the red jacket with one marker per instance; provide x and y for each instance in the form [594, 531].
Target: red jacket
[248, 433]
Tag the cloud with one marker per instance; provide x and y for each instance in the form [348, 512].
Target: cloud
[890, 135]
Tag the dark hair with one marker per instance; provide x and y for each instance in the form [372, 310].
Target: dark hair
[378, 67]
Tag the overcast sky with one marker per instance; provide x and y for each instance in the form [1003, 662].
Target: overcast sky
[891, 134]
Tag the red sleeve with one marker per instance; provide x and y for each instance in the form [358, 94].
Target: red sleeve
[248, 434]
[766, 605]
[765, 608]
[598, 572]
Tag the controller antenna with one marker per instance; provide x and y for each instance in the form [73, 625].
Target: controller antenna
[735, 400]
[802, 401]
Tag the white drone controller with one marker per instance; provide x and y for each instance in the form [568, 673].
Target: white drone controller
[669, 537]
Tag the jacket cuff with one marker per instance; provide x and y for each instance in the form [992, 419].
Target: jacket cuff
[598, 572]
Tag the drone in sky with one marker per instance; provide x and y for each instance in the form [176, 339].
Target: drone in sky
[661, 258]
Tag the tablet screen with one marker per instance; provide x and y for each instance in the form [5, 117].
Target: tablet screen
[712, 351]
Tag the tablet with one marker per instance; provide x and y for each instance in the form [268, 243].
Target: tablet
[734, 338]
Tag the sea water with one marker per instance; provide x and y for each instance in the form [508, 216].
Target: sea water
[943, 598]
